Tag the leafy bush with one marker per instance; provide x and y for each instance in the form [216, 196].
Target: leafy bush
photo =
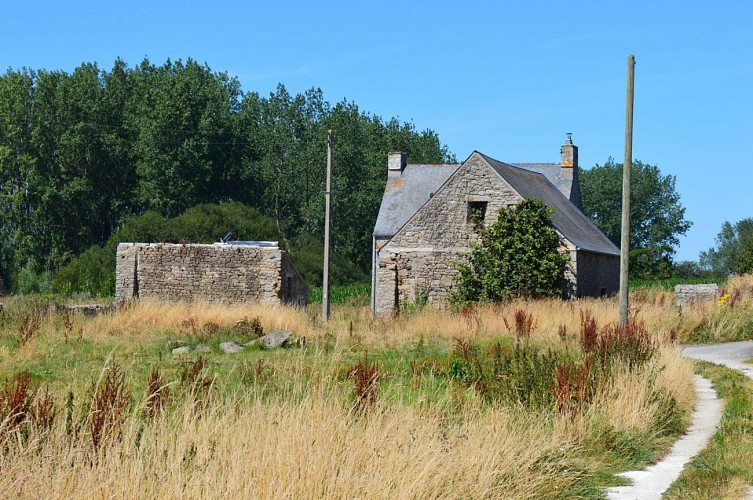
[518, 256]
[30, 280]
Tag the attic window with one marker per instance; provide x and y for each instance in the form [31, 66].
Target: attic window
[477, 213]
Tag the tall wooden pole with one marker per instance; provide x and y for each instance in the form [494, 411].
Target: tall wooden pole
[327, 194]
[627, 166]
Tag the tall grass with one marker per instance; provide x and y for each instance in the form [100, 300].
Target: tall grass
[528, 399]
[306, 441]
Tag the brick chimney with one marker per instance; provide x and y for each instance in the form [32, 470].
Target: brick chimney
[396, 162]
[569, 171]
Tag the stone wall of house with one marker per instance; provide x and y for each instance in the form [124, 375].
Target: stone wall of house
[211, 273]
[418, 259]
[598, 275]
[411, 276]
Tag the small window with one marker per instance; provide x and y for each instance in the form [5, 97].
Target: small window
[477, 213]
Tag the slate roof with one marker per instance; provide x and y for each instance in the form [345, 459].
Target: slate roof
[570, 221]
[406, 194]
[552, 172]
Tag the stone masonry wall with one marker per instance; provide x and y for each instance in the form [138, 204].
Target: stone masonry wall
[687, 295]
[418, 259]
[598, 274]
[211, 273]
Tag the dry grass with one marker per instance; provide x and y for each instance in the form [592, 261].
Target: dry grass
[307, 450]
[306, 441]
[631, 401]
[291, 427]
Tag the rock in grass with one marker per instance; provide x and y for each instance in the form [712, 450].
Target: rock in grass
[272, 340]
[204, 349]
[231, 347]
[182, 350]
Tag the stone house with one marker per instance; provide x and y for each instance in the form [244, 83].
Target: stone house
[430, 214]
[234, 272]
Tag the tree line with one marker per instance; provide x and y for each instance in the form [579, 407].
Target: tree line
[93, 157]
[81, 153]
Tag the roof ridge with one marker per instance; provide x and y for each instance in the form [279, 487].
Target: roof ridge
[535, 163]
[434, 164]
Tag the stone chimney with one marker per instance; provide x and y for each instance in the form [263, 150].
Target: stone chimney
[569, 170]
[569, 152]
[396, 163]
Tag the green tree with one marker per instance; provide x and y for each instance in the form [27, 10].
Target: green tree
[745, 259]
[183, 114]
[82, 153]
[733, 249]
[657, 218]
[518, 256]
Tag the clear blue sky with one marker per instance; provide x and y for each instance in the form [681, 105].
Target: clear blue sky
[506, 78]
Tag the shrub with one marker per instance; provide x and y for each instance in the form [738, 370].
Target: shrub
[518, 256]
[30, 280]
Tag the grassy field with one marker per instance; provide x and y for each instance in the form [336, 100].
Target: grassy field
[537, 399]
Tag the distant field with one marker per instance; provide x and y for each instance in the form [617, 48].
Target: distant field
[359, 293]
[669, 284]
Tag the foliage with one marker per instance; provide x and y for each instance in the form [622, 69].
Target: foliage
[734, 249]
[30, 280]
[82, 152]
[518, 256]
[357, 293]
[657, 218]
[745, 258]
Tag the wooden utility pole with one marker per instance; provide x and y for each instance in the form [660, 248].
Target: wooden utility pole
[327, 194]
[627, 167]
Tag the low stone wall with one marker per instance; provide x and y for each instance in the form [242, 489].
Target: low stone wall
[686, 295]
[207, 272]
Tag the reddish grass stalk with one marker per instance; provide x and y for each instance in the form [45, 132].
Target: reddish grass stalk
[365, 377]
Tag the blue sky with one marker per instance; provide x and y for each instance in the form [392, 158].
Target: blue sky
[505, 78]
